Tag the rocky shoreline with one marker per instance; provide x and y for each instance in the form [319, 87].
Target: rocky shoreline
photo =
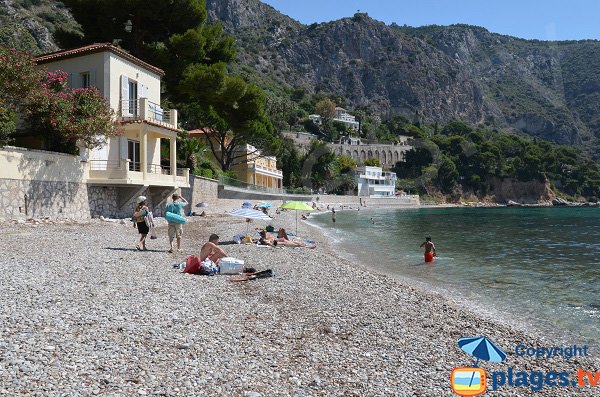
[83, 313]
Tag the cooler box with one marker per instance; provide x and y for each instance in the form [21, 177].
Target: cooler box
[229, 265]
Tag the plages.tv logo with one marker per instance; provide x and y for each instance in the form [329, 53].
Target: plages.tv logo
[471, 381]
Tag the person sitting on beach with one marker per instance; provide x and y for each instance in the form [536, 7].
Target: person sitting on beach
[211, 250]
[283, 239]
[304, 217]
[429, 249]
[266, 239]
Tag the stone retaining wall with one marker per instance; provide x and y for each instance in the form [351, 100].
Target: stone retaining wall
[35, 199]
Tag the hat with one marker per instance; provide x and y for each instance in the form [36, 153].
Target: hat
[141, 199]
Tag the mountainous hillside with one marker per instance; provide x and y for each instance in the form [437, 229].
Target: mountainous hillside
[546, 89]
[433, 73]
[29, 24]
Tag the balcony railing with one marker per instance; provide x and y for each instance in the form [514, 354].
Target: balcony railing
[143, 109]
[266, 170]
[127, 171]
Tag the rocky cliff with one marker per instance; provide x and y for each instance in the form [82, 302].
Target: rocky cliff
[434, 73]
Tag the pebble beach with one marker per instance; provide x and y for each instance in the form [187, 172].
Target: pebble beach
[85, 314]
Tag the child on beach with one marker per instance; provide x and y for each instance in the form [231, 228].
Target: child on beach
[429, 249]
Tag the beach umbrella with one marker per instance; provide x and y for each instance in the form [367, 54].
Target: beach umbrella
[249, 213]
[297, 206]
[247, 204]
[481, 348]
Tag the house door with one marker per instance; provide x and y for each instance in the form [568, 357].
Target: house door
[133, 154]
[133, 98]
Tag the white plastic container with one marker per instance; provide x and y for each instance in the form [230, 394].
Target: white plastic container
[229, 265]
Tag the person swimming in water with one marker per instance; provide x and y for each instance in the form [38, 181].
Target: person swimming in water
[429, 249]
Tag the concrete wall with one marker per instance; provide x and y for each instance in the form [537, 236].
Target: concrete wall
[201, 190]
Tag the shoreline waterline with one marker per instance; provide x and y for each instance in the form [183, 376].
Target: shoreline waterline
[415, 272]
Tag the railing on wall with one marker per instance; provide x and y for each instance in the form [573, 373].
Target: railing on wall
[226, 181]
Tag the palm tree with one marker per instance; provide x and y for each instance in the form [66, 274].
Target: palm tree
[190, 151]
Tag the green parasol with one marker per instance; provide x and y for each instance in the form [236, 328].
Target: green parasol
[297, 206]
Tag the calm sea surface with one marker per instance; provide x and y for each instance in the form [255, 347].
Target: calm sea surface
[539, 266]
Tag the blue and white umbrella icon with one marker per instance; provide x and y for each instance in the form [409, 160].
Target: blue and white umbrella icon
[481, 348]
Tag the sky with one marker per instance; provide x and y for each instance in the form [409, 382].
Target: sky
[528, 19]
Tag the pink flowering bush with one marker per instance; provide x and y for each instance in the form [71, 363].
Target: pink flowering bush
[63, 116]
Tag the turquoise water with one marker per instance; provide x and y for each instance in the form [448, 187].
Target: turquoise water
[537, 265]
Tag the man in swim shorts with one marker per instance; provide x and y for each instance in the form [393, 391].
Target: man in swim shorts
[175, 229]
[429, 249]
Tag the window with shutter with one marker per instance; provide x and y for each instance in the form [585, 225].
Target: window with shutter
[85, 78]
[125, 96]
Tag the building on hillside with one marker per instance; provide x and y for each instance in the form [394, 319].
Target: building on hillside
[132, 87]
[315, 118]
[374, 182]
[302, 140]
[387, 154]
[343, 116]
[251, 167]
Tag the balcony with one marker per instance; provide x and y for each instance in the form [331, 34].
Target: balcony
[144, 110]
[126, 172]
[266, 171]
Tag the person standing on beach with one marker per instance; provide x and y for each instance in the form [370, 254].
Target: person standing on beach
[333, 214]
[429, 249]
[139, 217]
[176, 229]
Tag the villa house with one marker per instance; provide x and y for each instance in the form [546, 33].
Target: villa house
[131, 161]
[251, 167]
[343, 116]
[256, 169]
[374, 182]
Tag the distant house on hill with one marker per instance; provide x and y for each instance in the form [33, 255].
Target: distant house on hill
[343, 116]
[315, 118]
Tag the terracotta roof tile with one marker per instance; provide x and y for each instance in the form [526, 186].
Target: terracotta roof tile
[94, 48]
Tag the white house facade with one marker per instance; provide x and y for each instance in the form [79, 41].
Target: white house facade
[133, 89]
[373, 182]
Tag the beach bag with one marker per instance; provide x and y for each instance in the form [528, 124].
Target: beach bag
[153, 233]
[194, 266]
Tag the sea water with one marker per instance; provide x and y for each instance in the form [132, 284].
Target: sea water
[537, 266]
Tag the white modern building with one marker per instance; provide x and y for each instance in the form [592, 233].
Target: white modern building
[373, 182]
[342, 116]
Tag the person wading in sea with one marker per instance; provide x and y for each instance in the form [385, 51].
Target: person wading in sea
[429, 249]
